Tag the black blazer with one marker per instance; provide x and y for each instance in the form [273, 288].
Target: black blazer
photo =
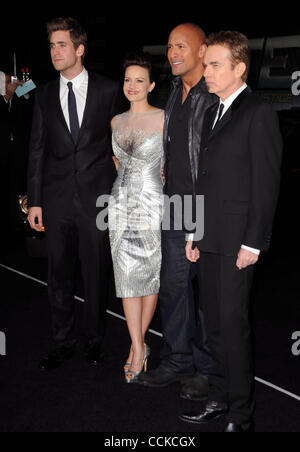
[239, 175]
[59, 168]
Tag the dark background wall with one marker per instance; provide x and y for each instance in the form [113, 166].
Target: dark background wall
[116, 29]
[113, 30]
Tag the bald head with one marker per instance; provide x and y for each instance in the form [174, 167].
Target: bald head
[186, 50]
[193, 31]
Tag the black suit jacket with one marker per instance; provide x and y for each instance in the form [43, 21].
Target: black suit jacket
[239, 175]
[59, 168]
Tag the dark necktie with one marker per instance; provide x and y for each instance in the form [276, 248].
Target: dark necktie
[74, 122]
[221, 108]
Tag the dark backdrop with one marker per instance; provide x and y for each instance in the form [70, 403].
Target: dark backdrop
[114, 30]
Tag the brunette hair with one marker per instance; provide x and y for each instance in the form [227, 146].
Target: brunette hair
[77, 32]
[142, 59]
[237, 43]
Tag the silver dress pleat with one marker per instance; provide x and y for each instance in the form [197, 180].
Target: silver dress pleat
[136, 205]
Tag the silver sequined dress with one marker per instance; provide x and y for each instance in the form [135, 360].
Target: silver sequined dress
[135, 208]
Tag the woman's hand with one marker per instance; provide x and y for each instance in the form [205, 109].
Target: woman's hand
[116, 162]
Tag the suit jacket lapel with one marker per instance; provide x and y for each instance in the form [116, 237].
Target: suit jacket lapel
[210, 116]
[222, 123]
[56, 106]
[89, 105]
[229, 113]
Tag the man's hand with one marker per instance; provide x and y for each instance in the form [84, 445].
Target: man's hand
[192, 254]
[11, 88]
[246, 258]
[36, 212]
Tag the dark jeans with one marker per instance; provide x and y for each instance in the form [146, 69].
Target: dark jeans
[184, 347]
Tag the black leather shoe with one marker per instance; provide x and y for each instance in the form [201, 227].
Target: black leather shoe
[213, 411]
[159, 378]
[239, 428]
[56, 358]
[94, 355]
[195, 388]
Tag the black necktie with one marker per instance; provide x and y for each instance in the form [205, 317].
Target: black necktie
[221, 108]
[74, 122]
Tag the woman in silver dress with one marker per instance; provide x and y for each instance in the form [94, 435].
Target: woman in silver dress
[135, 209]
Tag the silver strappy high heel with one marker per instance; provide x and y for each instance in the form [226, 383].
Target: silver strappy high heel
[135, 375]
[127, 365]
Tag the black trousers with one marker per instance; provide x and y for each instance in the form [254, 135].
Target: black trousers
[185, 348]
[71, 237]
[225, 290]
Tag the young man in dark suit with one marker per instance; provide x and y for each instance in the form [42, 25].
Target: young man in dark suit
[239, 176]
[70, 167]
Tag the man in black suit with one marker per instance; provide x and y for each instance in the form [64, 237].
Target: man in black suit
[70, 167]
[239, 176]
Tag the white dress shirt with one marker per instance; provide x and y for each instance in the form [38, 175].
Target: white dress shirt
[227, 104]
[229, 101]
[80, 88]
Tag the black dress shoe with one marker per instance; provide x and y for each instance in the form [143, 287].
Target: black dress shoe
[56, 358]
[159, 378]
[195, 388]
[213, 411]
[239, 428]
[94, 355]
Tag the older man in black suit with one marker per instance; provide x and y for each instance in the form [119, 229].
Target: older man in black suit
[70, 167]
[239, 175]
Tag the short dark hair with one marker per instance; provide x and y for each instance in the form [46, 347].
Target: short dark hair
[77, 32]
[142, 59]
[237, 43]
